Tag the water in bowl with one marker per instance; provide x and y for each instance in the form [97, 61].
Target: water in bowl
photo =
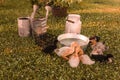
[68, 41]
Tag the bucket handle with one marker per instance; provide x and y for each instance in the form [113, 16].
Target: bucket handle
[69, 20]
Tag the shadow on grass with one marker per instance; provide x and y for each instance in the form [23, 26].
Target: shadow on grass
[47, 42]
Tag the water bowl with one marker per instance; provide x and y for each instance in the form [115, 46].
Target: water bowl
[67, 38]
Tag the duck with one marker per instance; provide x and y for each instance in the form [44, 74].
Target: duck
[65, 51]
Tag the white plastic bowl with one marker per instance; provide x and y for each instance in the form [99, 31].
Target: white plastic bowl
[67, 38]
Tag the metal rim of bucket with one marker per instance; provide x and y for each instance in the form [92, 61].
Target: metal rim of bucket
[23, 18]
[75, 15]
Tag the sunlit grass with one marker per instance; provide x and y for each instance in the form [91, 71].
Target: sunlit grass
[22, 59]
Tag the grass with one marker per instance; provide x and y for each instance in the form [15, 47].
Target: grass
[22, 59]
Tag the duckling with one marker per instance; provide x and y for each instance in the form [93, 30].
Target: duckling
[65, 51]
[101, 57]
[85, 59]
[74, 60]
[98, 49]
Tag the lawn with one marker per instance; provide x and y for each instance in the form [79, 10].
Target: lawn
[22, 59]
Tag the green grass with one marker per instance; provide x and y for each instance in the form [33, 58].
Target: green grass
[22, 59]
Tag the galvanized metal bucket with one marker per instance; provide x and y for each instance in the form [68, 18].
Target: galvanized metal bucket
[23, 26]
[39, 25]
